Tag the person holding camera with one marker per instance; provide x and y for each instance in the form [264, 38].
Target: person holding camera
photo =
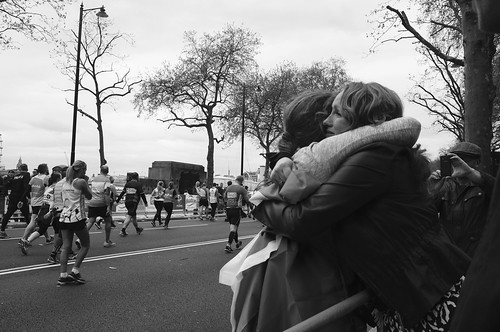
[462, 195]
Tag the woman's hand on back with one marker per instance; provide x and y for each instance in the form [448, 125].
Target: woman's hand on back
[281, 171]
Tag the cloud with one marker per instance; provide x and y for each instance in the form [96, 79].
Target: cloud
[36, 120]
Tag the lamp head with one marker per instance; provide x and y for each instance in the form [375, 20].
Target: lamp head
[102, 12]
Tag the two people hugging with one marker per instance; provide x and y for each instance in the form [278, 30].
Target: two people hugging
[356, 197]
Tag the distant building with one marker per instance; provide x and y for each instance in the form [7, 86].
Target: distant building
[183, 175]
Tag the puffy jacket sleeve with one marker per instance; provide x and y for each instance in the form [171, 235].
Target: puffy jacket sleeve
[362, 178]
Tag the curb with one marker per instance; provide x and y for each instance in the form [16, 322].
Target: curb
[119, 218]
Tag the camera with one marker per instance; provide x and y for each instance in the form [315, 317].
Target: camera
[445, 162]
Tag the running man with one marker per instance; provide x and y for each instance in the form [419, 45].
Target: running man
[37, 186]
[44, 218]
[99, 205]
[234, 196]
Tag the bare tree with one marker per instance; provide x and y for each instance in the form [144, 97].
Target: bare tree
[30, 18]
[100, 74]
[261, 99]
[194, 92]
[266, 94]
[455, 39]
[445, 100]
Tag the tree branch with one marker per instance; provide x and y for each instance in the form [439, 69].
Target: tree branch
[407, 25]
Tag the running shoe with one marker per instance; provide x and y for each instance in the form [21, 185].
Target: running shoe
[24, 247]
[238, 244]
[153, 223]
[72, 256]
[98, 225]
[109, 244]
[49, 240]
[228, 249]
[78, 244]
[76, 277]
[52, 260]
[123, 233]
[63, 281]
[3, 235]
[22, 242]
[139, 230]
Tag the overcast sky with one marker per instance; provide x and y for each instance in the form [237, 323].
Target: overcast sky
[36, 121]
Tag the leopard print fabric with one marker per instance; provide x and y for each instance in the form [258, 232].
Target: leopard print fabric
[438, 318]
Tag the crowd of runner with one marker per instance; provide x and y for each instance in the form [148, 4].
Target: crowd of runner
[72, 203]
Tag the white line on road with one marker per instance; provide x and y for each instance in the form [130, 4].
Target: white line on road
[117, 255]
[100, 232]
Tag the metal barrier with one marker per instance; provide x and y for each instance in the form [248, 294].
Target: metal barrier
[329, 315]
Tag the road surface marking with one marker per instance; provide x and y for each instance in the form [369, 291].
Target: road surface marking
[118, 255]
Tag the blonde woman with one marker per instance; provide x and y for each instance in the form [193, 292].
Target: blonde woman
[168, 204]
[157, 198]
[73, 221]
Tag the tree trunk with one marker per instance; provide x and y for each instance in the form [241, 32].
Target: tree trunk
[210, 155]
[479, 88]
[101, 136]
[267, 169]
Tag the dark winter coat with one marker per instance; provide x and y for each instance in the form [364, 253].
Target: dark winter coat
[463, 210]
[383, 228]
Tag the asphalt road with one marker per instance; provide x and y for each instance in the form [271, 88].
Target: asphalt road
[162, 280]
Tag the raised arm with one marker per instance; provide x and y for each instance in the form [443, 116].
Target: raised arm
[124, 191]
[358, 181]
[315, 163]
[82, 185]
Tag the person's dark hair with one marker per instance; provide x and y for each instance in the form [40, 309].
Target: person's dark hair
[54, 177]
[369, 103]
[171, 185]
[104, 169]
[43, 169]
[303, 119]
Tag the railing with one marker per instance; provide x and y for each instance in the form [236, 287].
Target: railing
[331, 314]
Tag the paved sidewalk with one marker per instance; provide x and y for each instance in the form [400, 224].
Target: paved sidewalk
[141, 217]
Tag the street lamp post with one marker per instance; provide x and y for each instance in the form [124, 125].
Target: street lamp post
[243, 127]
[101, 13]
[243, 111]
